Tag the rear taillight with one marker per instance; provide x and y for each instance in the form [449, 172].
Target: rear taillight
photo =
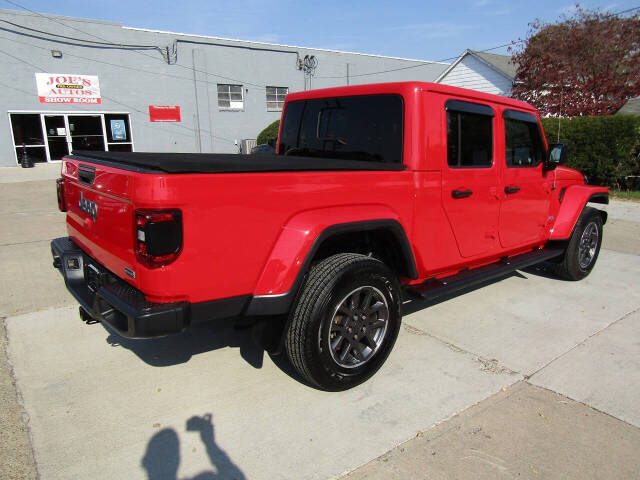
[158, 240]
[62, 205]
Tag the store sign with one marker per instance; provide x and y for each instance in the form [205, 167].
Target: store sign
[164, 113]
[67, 88]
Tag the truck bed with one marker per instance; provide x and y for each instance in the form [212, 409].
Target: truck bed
[148, 162]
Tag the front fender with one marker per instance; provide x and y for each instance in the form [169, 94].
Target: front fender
[573, 202]
[298, 236]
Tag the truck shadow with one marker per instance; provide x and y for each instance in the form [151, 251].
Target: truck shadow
[179, 348]
[162, 457]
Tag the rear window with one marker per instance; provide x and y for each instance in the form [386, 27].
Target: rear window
[367, 127]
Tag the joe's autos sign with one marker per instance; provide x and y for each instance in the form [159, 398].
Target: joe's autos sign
[67, 88]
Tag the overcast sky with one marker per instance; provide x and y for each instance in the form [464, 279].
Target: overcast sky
[409, 29]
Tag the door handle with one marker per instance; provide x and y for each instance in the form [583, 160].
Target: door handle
[511, 189]
[461, 193]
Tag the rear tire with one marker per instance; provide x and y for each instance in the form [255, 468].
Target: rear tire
[583, 248]
[345, 321]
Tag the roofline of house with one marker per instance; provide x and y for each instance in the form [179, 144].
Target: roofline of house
[471, 52]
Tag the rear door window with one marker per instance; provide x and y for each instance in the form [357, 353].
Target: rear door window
[367, 127]
[469, 135]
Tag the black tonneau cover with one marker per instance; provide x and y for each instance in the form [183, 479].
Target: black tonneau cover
[225, 162]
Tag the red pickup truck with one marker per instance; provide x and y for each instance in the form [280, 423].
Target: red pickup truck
[376, 192]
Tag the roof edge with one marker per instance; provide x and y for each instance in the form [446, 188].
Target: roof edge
[254, 42]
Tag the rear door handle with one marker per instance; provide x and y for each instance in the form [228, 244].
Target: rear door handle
[461, 193]
[511, 189]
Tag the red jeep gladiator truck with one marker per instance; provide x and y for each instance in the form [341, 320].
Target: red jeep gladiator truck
[376, 192]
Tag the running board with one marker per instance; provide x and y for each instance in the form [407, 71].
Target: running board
[435, 288]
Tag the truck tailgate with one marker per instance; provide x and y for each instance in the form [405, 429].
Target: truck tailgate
[100, 213]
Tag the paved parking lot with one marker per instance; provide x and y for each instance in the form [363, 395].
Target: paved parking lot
[529, 376]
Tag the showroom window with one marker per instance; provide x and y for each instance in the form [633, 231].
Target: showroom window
[50, 136]
[230, 97]
[275, 98]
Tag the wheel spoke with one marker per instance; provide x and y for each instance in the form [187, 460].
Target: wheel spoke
[339, 340]
[376, 307]
[345, 352]
[367, 300]
[345, 310]
[357, 350]
[371, 343]
[376, 324]
[355, 300]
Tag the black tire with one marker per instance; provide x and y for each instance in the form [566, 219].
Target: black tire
[583, 248]
[333, 284]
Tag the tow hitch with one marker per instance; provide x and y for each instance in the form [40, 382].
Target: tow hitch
[86, 317]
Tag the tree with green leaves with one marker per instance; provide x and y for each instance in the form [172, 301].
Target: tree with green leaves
[269, 133]
[586, 64]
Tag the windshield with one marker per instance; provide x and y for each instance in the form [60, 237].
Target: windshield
[367, 127]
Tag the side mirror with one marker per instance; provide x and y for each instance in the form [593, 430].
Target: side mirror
[556, 155]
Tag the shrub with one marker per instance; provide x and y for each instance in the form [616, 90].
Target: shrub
[269, 133]
[605, 149]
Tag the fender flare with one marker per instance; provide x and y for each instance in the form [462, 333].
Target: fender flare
[573, 200]
[291, 257]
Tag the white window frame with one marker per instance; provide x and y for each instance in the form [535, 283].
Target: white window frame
[225, 94]
[279, 94]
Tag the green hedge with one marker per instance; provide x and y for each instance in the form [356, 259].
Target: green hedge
[605, 149]
[269, 133]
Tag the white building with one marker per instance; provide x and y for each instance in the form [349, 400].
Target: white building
[485, 72]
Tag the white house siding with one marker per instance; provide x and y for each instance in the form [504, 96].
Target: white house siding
[476, 75]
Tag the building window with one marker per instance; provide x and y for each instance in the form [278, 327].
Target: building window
[230, 97]
[275, 98]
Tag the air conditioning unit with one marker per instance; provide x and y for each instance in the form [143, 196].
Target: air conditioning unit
[247, 144]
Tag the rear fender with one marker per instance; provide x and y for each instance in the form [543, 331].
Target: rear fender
[300, 237]
[572, 203]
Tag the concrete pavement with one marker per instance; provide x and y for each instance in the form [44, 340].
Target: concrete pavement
[208, 403]
[521, 432]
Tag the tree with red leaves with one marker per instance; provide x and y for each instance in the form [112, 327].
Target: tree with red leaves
[588, 64]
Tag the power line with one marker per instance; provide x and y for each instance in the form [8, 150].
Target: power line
[93, 42]
[117, 65]
[48, 17]
[510, 44]
[131, 107]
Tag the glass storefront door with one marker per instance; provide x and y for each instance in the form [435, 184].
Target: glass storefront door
[57, 140]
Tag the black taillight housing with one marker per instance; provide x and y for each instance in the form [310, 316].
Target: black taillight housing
[158, 237]
[62, 205]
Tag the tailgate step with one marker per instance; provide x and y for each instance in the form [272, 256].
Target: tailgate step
[438, 287]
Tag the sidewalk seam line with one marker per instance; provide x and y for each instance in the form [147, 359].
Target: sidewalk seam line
[558, 357]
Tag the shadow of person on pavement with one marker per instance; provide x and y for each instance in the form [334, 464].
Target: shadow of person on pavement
[162, 458]
[180, 347]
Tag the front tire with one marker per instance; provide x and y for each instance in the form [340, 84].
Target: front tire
[583, 248]
[345, 322]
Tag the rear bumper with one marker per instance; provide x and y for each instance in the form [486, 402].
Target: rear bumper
[110, 300]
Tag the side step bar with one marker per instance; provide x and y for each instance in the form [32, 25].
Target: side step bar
[435, 288]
